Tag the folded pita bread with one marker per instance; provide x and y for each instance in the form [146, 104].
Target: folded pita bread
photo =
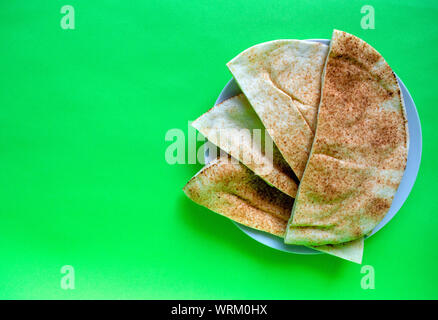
[360, 148]
[282, 81]
[232, 125]
[232, 190]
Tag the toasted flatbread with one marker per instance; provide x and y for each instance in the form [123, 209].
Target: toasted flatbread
[233, 126]
[232, 190]
[360, 149]
[282, 81]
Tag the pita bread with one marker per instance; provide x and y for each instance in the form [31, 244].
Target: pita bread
[232, 125]
[282, 81]
[360, 148]
[351, 251]
[232, 190]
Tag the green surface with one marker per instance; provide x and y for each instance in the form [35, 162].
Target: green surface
[84, 181]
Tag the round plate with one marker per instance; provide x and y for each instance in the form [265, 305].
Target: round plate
[406, 184]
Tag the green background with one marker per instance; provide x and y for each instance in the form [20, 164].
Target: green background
[84, 181]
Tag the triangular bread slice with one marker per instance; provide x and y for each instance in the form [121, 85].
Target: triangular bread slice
[235, 127]
[282, 81]
[360, 149]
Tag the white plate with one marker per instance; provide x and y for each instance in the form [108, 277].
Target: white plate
[408, 180]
